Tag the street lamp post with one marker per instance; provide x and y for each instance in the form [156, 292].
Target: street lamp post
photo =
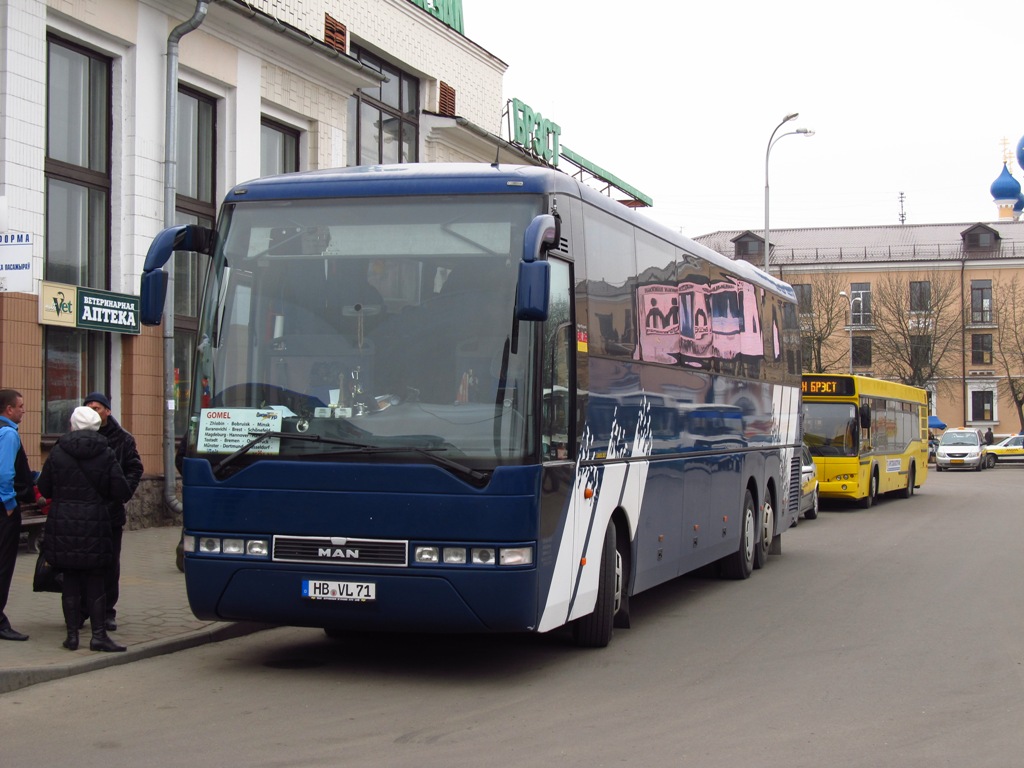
[771, 142]
[851, 299]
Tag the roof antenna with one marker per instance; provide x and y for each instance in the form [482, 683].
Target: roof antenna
[903, 215]
[497, 144]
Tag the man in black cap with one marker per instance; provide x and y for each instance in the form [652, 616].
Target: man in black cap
[123, 444]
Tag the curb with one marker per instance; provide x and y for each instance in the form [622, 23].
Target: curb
[14, 679]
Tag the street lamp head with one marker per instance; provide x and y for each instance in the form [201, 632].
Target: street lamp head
[843, 294]
[805, 131]
[791, 116]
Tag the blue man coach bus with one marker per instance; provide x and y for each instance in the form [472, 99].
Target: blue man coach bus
[461, 398]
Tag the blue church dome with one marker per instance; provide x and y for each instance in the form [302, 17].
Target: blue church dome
[1020, 152]
[1005, 187]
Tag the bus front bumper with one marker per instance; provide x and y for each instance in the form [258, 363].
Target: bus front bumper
[441, 601]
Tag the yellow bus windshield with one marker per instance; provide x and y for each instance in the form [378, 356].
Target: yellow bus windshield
[831, 429]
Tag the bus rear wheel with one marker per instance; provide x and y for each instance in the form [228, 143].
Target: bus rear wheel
[595, 629]
[907, 492]
[740, 563]
[767, 533]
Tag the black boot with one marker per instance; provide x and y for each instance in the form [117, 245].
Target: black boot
[71, 620]
[100, 639]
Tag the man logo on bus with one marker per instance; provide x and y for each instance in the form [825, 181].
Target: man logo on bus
[338, 553]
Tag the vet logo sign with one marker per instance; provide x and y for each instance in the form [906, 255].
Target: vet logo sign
[73, 306]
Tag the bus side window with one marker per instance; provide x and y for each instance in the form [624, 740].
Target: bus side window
[559, 334]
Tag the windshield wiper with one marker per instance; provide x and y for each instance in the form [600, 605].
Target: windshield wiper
[430, 453]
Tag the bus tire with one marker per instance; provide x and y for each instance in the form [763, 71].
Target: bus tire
[907, 492]
[868, 500]
[595, 629]
[740, 564]
[767, 532]
[622, 568]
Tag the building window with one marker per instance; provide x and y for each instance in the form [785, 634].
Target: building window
[749, 247]
[981, 301]
[920, 352]
[982, 405]
[860, 296]
[77, 225]
[981, 348]
[980, 239]
[279, 148]
[862, 351]
[803, 298]
[920, 296]
[384, 120]
[197, 143]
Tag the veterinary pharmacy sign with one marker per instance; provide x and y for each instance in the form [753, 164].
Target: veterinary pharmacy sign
[77, 307]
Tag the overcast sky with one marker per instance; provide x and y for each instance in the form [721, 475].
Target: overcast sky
[679, 97]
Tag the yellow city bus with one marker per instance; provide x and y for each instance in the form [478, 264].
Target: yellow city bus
[867, 436]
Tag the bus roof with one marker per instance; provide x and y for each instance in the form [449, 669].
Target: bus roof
[403, 179]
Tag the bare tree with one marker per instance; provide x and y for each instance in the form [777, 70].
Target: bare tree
[918, 321]
[822, 311]
[1008, 349]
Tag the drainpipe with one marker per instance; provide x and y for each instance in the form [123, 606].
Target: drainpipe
[170, 193]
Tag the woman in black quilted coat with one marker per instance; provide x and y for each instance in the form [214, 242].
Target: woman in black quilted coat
[82, 476]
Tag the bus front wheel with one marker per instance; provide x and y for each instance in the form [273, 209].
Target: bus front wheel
[868, 500]
[595, 629]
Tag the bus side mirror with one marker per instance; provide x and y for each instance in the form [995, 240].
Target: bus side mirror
[153, 288]
[865, 416]
[532, 292]
[152, 295]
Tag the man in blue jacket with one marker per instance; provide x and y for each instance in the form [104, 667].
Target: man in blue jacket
[12, 408]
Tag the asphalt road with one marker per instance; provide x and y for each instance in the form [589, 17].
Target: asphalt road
[885, 637]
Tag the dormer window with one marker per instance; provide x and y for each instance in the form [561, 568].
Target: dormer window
[749, 247]
[980, 238]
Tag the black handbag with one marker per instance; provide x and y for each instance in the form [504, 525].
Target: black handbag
[46, 578]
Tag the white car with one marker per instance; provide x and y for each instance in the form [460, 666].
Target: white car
[808, 485]
[1010, 449]
[961, 449]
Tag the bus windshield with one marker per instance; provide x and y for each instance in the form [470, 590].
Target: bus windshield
[365, 324]
[831, 429]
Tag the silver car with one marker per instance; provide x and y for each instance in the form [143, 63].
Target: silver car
[808, 485]
[961, 449]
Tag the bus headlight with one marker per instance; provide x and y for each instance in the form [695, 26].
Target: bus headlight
[426, 554]
[214, 545]
[232, 546]
[455, 555]
[483, 556]
[257, 547]
[516, 555]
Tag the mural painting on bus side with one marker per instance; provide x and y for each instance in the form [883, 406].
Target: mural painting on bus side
[597, 490]
[696, 320]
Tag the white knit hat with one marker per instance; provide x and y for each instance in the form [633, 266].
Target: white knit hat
[85, 418]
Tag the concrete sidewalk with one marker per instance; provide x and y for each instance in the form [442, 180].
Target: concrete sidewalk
[153, 616]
